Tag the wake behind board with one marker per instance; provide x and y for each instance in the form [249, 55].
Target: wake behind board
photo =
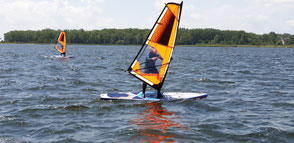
[62, 57]
[151, 96]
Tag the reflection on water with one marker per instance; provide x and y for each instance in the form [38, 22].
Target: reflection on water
[156, 123]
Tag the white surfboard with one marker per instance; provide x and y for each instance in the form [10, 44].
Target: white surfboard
[152, 96]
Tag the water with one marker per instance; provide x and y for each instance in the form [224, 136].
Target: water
[46, 99]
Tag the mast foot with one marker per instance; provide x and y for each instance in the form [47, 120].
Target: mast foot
[159, 95]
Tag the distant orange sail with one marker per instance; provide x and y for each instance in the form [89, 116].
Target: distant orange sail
[152, 61]
[61, 43]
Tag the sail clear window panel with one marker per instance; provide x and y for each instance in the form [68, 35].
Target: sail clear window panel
[145, 58]
[59, 46]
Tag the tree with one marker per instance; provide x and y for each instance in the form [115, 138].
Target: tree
[138, 36]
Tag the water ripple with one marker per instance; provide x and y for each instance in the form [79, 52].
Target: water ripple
[46, 99]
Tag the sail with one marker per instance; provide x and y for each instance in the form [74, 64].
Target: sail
[61, 43]
[152, 62]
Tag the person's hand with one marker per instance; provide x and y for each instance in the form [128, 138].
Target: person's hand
[154, 58]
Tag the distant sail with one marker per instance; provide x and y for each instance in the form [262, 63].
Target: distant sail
[61, 43]
[152, 62]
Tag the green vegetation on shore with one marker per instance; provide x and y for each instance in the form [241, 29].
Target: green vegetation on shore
[191, 37]
[221, 45]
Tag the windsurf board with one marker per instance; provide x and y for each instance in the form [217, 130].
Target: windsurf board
[152, 96]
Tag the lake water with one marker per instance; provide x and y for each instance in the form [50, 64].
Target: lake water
[46, 99]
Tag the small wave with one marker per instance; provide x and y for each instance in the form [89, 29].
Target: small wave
[9, 70]
[13, 121]
[203, 105]
[76, 107]
[100, 58]
[8, 140]
[53, 98]
[11, 54]
[79, 82]
[119, 69]
[42, 131]
[245, 72]
[66, 140]
[215, 81]
[38, 108]
[106, 108]
[74, 68]
[41, 87]
[284, 104]
[89, 89]
[99, 67]
[10, 82]
[6, 117]
[65, 131]
[204, 80]
[46, 56]
[264, 132]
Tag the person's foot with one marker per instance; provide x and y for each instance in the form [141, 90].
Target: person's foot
[159, 96]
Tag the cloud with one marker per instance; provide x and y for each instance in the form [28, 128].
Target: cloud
[159, 4]
[56, 14]
[258, 16]
[290, 23]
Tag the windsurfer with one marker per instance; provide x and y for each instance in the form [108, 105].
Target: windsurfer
[61, 44]
[150, 67]
[150, 61]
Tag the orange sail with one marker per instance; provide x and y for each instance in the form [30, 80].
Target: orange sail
[152, 61]
[61, 43]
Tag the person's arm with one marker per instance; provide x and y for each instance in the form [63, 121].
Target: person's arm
[147, 56]
[158, 55]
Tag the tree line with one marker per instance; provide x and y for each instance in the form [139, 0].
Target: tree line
[137, 36]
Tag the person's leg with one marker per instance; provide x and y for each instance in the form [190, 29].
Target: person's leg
[144, 89]
[159, 95]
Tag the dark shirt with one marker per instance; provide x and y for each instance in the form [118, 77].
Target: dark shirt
[150, 63]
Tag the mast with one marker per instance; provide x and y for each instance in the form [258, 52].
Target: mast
[178, 24]
[152, 61]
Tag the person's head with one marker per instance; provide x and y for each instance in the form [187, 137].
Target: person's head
[153, 50]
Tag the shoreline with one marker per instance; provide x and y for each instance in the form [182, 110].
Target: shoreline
[237, 46]
[197, 45]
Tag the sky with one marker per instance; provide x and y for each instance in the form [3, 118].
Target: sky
[257, 16]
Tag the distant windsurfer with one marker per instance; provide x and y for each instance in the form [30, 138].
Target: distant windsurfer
[150, 67]
[63, 54]
[61, 44]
